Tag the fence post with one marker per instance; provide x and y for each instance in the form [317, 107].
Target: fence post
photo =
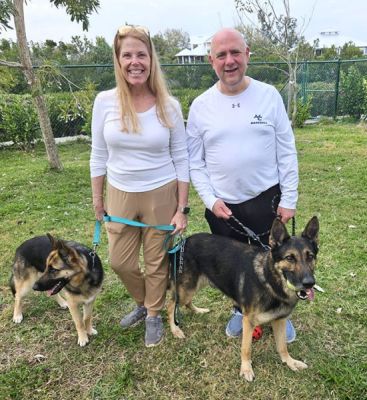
[337, 87]
[303, 82]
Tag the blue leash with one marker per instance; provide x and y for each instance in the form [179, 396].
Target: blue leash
[138, 224]
[179, 246]
[110, 218]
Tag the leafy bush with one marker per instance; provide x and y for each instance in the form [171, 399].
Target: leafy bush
[18, 120]
[70, 115]
[353, 93]
[186, 97]
[303, 111]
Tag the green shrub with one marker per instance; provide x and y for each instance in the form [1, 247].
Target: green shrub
[18, 120]
[303, 111]
[353, 93]
[186, 97]
[70, 115]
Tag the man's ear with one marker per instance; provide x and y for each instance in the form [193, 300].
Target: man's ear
[210, 59]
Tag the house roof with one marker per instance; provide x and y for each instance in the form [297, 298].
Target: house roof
[200, 50]
[330, 37]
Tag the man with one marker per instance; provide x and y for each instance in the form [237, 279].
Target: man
[243, 160]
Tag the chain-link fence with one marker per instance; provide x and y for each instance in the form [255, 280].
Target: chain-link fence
[70, 93]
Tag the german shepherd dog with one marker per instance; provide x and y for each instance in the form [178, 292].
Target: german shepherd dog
[47, 264]
[266, 285]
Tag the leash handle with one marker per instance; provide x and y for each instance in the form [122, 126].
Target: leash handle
[97, 233]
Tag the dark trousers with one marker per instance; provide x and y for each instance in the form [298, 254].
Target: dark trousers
[257, 214]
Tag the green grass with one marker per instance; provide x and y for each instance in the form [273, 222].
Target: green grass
[40, 358]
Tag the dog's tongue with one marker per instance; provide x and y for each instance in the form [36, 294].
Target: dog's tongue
[310, 294]
[49, 292]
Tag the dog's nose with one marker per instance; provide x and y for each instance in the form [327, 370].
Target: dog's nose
[308, 282]
[36, 286]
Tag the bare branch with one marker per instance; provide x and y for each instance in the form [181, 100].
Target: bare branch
[11, 64]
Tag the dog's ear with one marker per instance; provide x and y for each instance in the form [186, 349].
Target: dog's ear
[63, 249]
[53, 241]
[278, 233]
[311, 232]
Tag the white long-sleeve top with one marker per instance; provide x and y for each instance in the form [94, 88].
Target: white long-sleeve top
[137, 162]
[241, 145]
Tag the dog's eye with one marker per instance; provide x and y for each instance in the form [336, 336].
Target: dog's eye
[51, 269]
[290, 258]
[310, 257]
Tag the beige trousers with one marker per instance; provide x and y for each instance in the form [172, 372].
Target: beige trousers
[155, 207]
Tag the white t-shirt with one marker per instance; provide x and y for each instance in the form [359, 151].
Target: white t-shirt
[137, 162]
[241, 145]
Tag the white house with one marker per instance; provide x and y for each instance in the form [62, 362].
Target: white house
[199, 50]
[330, 37]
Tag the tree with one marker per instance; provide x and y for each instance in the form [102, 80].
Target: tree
[170, 43]
[78, 11]
[283, 39]
[350, 51]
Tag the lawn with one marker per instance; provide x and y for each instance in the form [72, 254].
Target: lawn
[40, 358]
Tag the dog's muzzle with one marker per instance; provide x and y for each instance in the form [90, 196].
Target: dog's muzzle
[52, 287]
[307, 294]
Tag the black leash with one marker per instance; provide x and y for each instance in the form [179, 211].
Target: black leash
[246, 231]
[180, 247]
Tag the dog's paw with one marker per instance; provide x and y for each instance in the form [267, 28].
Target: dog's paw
[18, 318]
[92, 331]
[178, 333]
[83, 340]
[247, 371]
[201, 310]
[64, 306]
[296, 365]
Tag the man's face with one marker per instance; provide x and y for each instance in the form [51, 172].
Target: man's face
[229, 57]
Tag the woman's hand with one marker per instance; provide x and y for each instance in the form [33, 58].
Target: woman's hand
[99, 210]
[179, 221]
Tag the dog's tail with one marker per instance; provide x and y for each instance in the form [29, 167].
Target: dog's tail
[11, 284]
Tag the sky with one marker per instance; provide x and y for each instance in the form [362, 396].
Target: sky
[196, 17]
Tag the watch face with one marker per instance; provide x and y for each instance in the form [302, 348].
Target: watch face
[186, 210]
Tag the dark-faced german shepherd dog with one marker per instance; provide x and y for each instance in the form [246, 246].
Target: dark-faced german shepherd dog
[47, 264]
[266, 285]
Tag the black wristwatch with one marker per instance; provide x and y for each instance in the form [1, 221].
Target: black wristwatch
[184, 210]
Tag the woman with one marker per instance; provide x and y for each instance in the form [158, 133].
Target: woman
[139, 149]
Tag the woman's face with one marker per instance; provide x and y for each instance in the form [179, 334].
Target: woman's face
[134, 61]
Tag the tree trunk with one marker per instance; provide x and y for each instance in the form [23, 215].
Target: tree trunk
[292, 93]
[36, 88]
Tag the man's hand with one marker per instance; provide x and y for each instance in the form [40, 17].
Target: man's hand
[285, 214]
[220, 210]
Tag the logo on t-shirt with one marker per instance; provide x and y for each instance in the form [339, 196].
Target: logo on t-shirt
[236, 105]
[258, 118]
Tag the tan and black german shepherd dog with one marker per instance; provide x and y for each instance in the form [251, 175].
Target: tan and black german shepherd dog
[266, 285]
[47, 264]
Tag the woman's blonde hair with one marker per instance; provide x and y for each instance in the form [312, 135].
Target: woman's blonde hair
[156, 81]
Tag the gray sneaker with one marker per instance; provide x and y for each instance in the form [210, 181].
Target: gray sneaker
[153, 331]
[134, 317]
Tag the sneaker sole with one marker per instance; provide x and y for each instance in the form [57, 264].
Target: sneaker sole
[232, 336]
[291, 340]
[134, 324]
[155, 344]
